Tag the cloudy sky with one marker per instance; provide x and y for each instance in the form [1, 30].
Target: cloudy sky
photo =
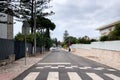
[82, 17]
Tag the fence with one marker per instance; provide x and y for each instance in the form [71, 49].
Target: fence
[6, 48]
[19, 49]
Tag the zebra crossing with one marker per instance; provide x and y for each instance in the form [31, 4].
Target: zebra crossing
[32, 76]
[71, 76]
[70, 66]
[53, 72]
[69, 70]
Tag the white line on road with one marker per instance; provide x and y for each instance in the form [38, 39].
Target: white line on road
[98, 68]
[61, 66]
[32, 76]
[111, 69]
[39, 67]
[54, 67]
[113, 76]
[84, 67]
[94, 76]
[53, 76]
[52, 63]
[74, 66]
[68, 67]
[74, 76]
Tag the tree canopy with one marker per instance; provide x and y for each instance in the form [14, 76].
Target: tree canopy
[45, 23]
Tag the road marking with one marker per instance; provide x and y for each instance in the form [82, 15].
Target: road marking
[52, 63]
[111, 69]
[73, 76]
[84, 67]
[74, 66]
[39, 67]
[61, 66]
[54, 67]
[88, 67]
[32, 76]
[94, 76]
[68, 67]
[53, 76]
[113, 76]
[99, 68]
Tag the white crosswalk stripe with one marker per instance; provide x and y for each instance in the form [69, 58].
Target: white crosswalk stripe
[53, 76]
[113, 76]
[32, 76]
[71, 75]
[94, 76]
[74, 76]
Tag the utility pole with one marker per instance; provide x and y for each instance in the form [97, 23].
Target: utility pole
[25, 45]
[35, 27]
[42, 40]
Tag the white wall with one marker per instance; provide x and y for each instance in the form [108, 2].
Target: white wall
[3, 27]
[3, 31]
[106, 45]
[83, 46]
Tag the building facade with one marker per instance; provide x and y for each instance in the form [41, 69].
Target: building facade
[6, 26]
[105, 30]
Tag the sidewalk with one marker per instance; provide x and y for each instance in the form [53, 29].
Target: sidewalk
[95, 57]
[10, 71]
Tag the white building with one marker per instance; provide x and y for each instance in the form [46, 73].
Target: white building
[105, 30]
[6, 26]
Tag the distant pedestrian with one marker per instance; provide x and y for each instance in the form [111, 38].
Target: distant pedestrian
[69, 49]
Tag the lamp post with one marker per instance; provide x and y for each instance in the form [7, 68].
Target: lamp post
[34, 27]
[25, 46]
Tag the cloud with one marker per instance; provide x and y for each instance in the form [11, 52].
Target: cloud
[82, 17]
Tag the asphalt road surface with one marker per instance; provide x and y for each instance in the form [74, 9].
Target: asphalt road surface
[61, 65]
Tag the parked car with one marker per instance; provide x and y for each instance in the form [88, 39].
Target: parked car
[53, 48]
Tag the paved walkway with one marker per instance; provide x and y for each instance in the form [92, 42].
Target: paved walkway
[95, 57]
[10, 71]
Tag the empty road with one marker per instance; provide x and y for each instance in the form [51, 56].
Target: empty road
[61, 65]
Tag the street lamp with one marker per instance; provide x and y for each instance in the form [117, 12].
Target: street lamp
[34, 27]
